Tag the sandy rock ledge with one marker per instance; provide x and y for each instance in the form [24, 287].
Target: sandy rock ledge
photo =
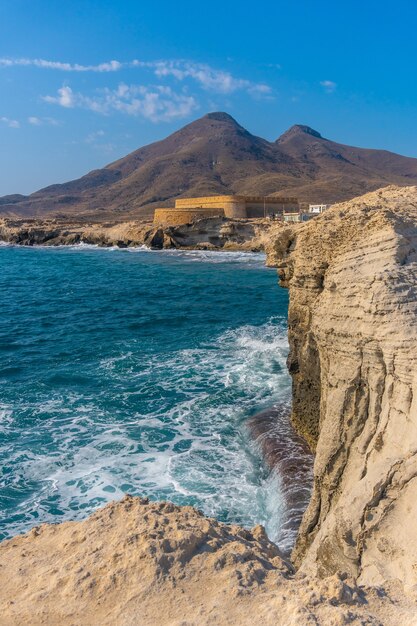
[135, 562]
[214, 233]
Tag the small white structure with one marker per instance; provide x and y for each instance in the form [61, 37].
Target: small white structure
[296, 216]
[318, 208]
[291, 216]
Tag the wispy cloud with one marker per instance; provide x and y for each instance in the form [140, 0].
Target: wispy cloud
[156, 104]
[328, 85]
[40, 121]
[110, 66]
[94, 136]
[9, 122]
[209, 78]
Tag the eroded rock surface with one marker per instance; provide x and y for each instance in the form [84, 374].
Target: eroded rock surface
[157, 564]
[205, 234]
[352, 276]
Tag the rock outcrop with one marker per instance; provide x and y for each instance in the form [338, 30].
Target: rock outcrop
[157, 564]
[205, 234]
[352, 277]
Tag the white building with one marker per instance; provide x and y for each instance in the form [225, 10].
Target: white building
[318, 208]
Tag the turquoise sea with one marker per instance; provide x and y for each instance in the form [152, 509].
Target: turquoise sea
[131, 371]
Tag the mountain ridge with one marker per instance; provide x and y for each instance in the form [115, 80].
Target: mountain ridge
[216, 155]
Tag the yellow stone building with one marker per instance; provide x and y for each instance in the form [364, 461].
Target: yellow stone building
[244, 207]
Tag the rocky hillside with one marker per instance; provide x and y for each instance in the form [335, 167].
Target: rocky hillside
[352, 277]
[215, 155]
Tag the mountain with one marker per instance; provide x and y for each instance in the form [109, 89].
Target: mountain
[215, 155]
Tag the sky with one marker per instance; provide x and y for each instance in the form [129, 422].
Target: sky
[85, 82]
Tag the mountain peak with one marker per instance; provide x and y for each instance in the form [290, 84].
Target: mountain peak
[299, 130]
[214, 155]
[220, 116]
[207, 122]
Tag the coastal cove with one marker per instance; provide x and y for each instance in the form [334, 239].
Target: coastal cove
[208, 305]
[135, 371]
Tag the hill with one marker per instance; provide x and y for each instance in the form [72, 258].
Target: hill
[215, 155]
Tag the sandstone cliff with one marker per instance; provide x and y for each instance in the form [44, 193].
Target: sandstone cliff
[352, 276]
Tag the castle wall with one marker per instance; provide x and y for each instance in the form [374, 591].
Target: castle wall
[243, 207]
[232, 206]
[177, 217]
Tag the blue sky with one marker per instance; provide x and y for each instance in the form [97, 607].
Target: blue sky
[84, 82]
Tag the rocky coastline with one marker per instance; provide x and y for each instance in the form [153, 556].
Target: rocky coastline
[352, 280]
[206, 234]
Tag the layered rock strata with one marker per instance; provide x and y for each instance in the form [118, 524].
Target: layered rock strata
[352, 277]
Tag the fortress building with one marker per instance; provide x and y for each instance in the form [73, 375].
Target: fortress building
[245, 207]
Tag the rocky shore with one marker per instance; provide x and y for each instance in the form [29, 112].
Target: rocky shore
[205, 234]
[352, 280]
[157, 564]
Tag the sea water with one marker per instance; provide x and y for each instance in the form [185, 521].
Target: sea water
[131, 371]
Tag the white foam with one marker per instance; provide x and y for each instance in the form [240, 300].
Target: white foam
[93, 456]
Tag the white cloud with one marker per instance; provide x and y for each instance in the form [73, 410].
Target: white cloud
[65, 97]
[92, 137]
[329, 85]
[111, 66]
[40, 121]
[9, 122]
[156, 104]
[209, 78]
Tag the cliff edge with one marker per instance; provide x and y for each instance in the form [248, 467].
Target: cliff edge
[156, 564]
[352, 277]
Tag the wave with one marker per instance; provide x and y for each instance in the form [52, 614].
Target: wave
[206, 256]
[133, 373]
[194, 450]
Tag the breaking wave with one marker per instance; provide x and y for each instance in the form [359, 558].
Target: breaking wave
[138, 376]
